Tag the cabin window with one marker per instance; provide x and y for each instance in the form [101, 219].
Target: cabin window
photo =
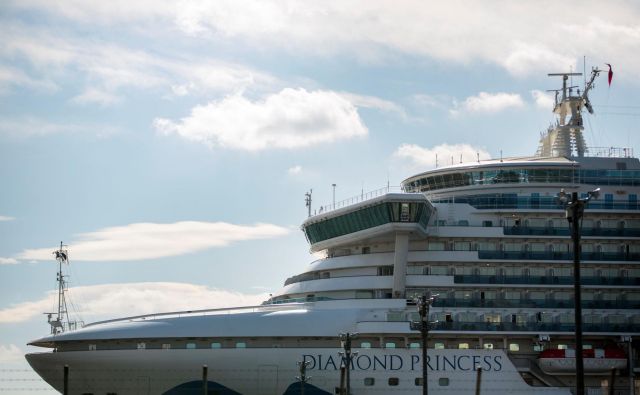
[141, 346]
[393, 381]
[92, 347]
[414, 345]
[462, 246]
[443, 381]
[562, 347]
[369, 381]
[166, 346]
[514, 347]
[216, 345]
[390, 345]
[385, 271]
[538, 347]
[463, 346]
[190, 346]
[365, 345]
[418, 381]
[487, 224]
[488, 346]
[438, 346]
[241, 345]
[364, 294]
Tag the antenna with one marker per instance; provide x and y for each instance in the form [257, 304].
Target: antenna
[307, 201]
[57, 324]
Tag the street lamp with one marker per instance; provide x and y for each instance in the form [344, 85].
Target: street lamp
[574, 210]
[334, 195]
[423, 303]
[347, 357]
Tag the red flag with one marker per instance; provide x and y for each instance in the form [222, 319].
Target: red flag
[610, 73]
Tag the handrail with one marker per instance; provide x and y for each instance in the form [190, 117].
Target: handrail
[180, 313]
[364, 196]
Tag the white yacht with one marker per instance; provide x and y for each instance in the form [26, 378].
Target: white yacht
[487, 241]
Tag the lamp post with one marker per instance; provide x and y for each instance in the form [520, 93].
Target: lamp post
[423, 303]
[347, 357]
[574, 210]
[334, 195]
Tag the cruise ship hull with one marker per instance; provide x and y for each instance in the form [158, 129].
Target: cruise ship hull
[274, 371]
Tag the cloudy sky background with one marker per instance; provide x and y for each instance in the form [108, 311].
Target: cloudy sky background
[170, 143]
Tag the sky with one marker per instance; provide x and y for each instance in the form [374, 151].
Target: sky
[170, 144]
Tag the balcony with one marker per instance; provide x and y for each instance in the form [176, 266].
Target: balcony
[543, 280]
[535, 303]
[566, 256]
[531, 327]
[550, 231]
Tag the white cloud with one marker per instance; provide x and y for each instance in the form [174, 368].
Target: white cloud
[295, 170]
[140, 241]
[543, 100]
[382, 27]
[378, 29]
[11, 77]
[108, 68]
[8, 261]
[115, 300]
[26, 127]
[373, 102]
[97, 96]
[292, 118]
[488, 103]
[425, 158]
[10, 354]
[6, 218]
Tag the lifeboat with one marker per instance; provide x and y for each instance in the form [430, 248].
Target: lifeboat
[596, 361]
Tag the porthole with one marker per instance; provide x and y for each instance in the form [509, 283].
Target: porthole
[393, 381]
[418, 381]
[369, 381]
[443, 381]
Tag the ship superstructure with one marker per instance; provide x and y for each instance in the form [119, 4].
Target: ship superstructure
[488, 240]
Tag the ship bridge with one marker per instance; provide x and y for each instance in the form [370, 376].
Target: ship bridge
[393, 217]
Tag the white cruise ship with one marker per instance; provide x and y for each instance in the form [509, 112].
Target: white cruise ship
[489, 241]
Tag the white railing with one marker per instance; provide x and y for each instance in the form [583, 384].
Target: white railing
[357, 199]
[610, 152]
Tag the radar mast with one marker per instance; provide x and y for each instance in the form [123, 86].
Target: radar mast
[565, 137]
[61, 322]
